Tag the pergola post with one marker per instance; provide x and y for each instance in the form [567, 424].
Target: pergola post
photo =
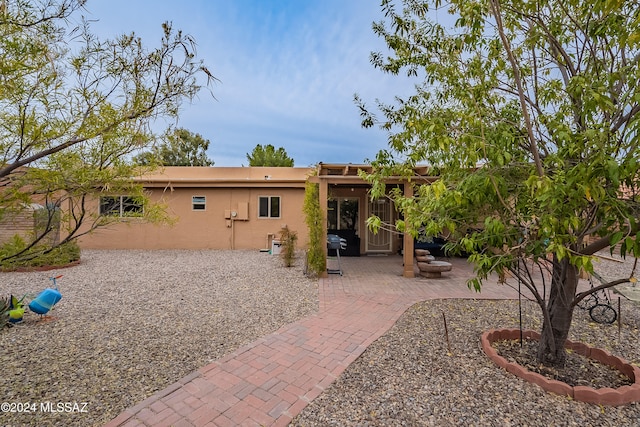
[407, 245]
[324, 208]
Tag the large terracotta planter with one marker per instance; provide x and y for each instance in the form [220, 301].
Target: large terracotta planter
[602, 396]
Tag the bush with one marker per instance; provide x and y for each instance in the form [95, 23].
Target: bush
[288, 240]
[4, 312]
[316, 260]
[14, 255]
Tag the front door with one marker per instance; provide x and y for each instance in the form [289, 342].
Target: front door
[381, 241]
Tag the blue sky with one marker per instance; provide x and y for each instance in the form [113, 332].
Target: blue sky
[288, 71]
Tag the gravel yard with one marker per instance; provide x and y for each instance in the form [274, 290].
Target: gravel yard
[408, 377]
[411, 376]
[131, 323]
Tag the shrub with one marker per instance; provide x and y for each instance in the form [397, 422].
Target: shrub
[288, 240]
[4, 312]
[14, 254]
[316, 260]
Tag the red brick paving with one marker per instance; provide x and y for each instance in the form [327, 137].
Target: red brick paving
[271, 380]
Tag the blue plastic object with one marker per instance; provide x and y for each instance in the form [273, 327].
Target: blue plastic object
[46, 299]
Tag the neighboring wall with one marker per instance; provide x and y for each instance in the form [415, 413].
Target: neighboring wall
[225, 190]
[21, 223]
[28, 223]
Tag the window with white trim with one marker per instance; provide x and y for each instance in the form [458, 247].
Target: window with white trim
[269, 207]
[198, 203]
[121, 206]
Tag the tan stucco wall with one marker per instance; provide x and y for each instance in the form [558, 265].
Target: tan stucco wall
[226, 190]
[206, 229]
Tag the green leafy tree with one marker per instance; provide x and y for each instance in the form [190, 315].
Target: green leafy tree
[179, 148]
[528, 112]
[268, 156]
[74, 108]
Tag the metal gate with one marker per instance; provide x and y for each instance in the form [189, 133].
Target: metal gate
[381, 241]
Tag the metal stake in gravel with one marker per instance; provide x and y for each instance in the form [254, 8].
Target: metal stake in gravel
[520, 303]
[619, 320]
[446, 334]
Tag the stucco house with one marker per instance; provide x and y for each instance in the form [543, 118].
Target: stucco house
[212, 208]
[247, 207]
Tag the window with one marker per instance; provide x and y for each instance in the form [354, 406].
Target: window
[269, 207]
[198, 203]
[121, 206]
[342, 214]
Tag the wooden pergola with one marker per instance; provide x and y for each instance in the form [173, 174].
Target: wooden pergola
[348, 175]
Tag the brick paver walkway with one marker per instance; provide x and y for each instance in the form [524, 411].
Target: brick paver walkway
[271, 380]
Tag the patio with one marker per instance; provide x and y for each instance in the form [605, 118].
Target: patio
[383, 275]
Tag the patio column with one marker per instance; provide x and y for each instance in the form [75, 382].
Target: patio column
[324, 207]
[408, 240]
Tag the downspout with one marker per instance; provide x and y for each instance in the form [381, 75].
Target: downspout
[233, 235]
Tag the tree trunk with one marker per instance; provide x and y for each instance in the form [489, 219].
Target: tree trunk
[555, 331]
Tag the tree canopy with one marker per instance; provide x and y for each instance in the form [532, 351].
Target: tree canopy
[267, 155]
[73, 108]
[179, 147]
[528, 113]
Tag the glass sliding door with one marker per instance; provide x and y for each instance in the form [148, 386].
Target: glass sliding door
[343, 219]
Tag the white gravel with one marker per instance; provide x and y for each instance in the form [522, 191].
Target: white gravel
[130, 323]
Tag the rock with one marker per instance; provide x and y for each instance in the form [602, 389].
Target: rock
[422, 266]
[433, 269]
[425, 258]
